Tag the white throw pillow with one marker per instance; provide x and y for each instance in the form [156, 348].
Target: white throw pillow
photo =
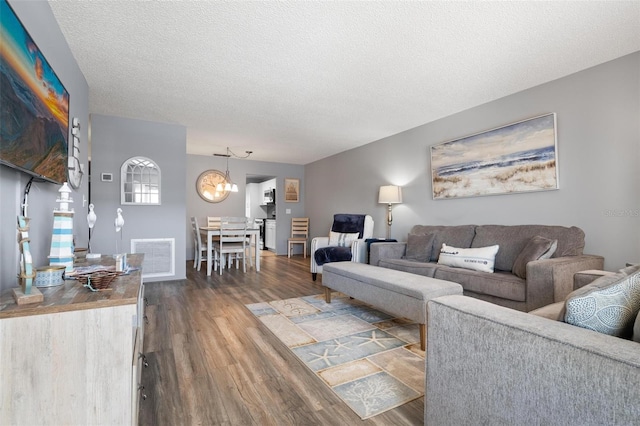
[341, 239]
[477, 259]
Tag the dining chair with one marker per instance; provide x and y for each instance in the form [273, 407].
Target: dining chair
[213, 221]
[199, 249]
[299, 234]
[252, 239]
[233, 242]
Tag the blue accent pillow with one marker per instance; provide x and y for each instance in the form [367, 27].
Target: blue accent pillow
[608, 305]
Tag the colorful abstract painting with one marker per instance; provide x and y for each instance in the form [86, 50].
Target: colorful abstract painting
[519, 157]
[34, 118]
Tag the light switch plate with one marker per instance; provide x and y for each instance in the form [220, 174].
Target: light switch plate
[288, 211]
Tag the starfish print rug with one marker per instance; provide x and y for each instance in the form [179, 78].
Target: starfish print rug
[369, 358]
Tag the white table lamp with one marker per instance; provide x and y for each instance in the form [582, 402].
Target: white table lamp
[390, 194]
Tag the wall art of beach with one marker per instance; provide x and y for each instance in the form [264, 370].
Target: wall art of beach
[519, 157]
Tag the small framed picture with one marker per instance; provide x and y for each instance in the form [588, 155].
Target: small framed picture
[291, 190]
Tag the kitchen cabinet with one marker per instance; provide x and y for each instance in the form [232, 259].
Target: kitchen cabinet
[270, 234]
[76, 357]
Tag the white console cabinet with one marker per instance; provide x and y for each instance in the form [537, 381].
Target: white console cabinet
[75, 358]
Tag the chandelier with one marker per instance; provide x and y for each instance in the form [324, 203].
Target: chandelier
[228, 184]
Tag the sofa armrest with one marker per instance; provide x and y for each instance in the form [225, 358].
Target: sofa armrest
[487, 364]
[380, 251]
[359, 251]
[319, 242]
[316, 243]
[555, 277]
[582, 278]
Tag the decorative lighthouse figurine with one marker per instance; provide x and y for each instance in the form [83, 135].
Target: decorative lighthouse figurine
[62, 239]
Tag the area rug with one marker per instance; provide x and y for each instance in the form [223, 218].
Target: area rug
[370, 359]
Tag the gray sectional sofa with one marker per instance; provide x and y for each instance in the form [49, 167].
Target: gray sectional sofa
[488, 365]
[538, 282]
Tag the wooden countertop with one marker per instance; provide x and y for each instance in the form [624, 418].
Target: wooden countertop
[72, 296]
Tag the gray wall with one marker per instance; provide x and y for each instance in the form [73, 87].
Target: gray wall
[234, 205]
[43, 28]
[598, 133]
[113, 141]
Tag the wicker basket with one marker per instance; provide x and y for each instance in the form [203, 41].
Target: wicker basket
[99, 280]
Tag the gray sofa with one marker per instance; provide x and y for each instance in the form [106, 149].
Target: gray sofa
[495, 366]
[544, 282]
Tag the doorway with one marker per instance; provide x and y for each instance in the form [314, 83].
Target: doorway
[261, 206]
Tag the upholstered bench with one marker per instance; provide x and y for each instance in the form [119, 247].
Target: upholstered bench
[397, 292]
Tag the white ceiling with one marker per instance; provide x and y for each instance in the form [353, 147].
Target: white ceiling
[297, 81]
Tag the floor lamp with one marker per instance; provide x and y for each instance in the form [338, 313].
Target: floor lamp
[390, 194]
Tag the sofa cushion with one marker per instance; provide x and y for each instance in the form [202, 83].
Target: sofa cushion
[477, 259]
[551, 311]
[419, 247]
[512, 240]
[537, 248]
[499, 284]
[583, 278]
[608, 305]
[342, 239]
[420, 268]
[457, 236]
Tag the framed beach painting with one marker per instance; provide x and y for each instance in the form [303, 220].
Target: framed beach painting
[519, 157]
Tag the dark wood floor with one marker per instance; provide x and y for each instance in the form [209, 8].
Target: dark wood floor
[211, 362]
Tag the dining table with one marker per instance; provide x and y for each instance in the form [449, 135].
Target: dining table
[213, 231]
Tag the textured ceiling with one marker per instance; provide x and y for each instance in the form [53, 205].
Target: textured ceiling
[296, 81]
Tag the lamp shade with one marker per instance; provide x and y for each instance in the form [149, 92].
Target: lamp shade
[390, 194]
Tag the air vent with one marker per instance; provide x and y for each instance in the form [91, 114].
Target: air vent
[159, 256]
